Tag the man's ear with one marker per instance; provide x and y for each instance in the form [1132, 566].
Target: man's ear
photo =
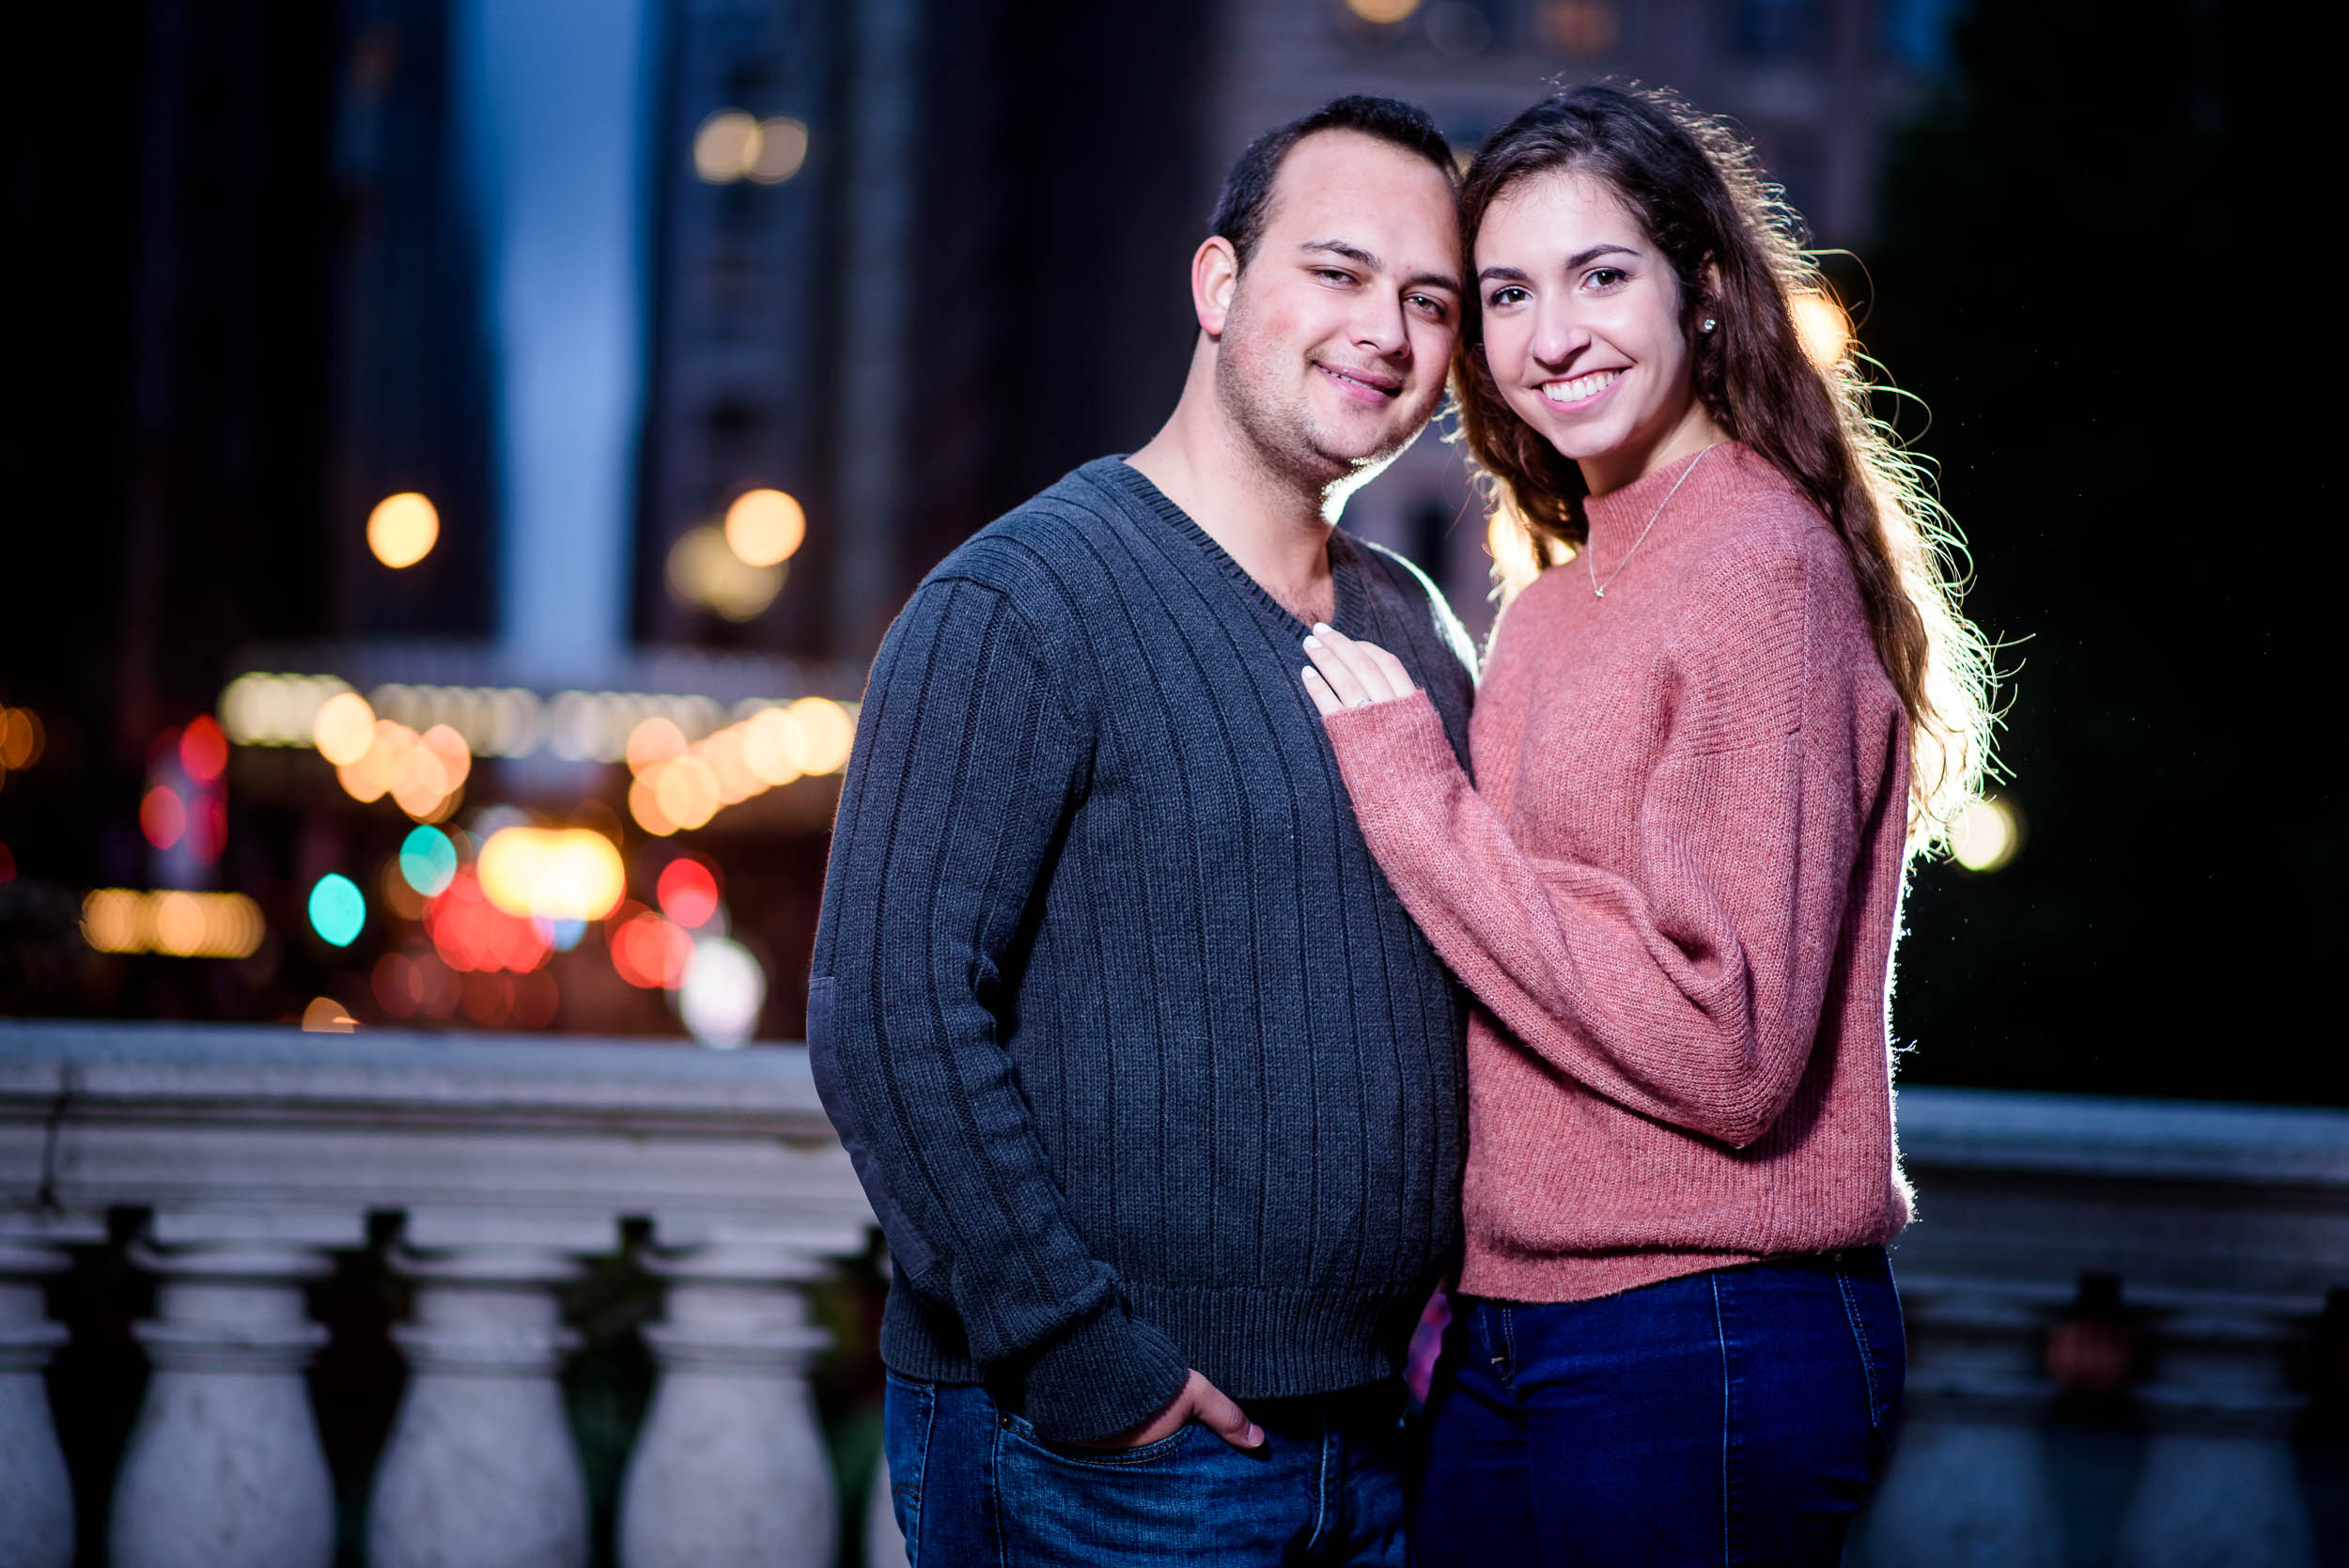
[1214, 274]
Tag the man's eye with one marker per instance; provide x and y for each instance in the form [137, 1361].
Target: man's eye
[1429, 304]
[1332, 274]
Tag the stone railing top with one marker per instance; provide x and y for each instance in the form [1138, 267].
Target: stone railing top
[562, 1133]
[483, 1074]
[2108, 1135]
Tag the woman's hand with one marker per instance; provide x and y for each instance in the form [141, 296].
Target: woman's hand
[1347, 674]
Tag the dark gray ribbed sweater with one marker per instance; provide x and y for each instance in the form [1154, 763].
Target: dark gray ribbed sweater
[1141, 1062]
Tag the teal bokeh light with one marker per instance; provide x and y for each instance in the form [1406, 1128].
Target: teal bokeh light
[337, 909]
[427, 861]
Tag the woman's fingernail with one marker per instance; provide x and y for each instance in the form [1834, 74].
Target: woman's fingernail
[1312, 642]
[1255, 1437]
[1321, 626]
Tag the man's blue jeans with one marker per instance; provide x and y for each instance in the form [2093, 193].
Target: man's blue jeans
[1740, 1415]
[975, 1485]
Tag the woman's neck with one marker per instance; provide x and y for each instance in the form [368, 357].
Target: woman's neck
[1635, 459]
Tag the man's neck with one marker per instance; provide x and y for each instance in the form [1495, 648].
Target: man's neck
[1276, 528]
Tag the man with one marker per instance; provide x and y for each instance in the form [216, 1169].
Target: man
[1154, 1086]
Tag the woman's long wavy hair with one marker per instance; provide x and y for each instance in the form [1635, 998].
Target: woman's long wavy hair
[1692, 185]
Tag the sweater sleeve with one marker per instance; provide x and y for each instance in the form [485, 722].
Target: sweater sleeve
[1687, 984]
[965, 767]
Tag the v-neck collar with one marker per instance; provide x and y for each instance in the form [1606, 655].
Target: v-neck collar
[1344, 591]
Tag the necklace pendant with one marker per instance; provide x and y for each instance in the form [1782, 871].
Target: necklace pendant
[1598, 593]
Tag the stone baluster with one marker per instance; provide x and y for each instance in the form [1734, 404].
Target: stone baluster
[2219, 1485]
[225, 1468]
[36, 1493]
[480, 1466]
[1968, 1482]
[731, 1466]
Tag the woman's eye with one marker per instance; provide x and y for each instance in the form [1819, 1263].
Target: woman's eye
[1508, 296]
[1605, 277]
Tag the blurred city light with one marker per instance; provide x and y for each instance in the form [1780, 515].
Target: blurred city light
[732, 146]
[648, 952]
[473, 935]
[775, 747]
[722, 992]
[176, 923]
[344, 729]
[653, 742]
[1822, 328]
[781, 149]
[764, 527]
[688, 892]
[402, 529]
[495, 721]
[263, 709]
[1383, 13]
[551, 873]
[22, 737]
[727, 146]
[325, 1016]
[829, 734]
[337, 909]
[1986, 834]
[703, 570]
[7, 866]
[1583, 27]
[162, 816]
[204, 750]
[772, 746]
[428, 861]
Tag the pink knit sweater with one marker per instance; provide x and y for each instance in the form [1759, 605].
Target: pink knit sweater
[1673, 892]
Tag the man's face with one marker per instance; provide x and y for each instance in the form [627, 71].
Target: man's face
[1333, 351]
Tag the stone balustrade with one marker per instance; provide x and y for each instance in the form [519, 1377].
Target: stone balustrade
[253, 1156]
[2224, 1229]
[252, 1159]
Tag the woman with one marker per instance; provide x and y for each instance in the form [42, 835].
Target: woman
[1703, 752]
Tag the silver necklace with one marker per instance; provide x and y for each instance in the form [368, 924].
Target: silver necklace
[1599, 589]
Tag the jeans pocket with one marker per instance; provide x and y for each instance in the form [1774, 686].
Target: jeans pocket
[908, 1409]
[1874, 1308]
[1189, 1498]
[1023, 1432]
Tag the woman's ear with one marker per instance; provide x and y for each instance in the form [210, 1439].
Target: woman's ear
[1214, 274]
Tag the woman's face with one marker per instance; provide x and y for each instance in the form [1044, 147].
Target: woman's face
[1583, 328]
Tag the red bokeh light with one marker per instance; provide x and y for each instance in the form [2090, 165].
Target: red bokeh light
[471, 934]
[7, 865]
[204, 750]
[688, 892]
[162, 817]
[208, 828]
[648, 952]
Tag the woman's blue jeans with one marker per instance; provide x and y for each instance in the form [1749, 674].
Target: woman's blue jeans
[1740, 1415]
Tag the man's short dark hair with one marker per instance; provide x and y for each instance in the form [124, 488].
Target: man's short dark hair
[1239, 211]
